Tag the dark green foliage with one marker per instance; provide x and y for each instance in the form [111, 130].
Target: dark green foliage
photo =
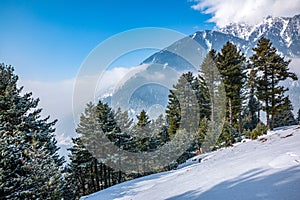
[143, 119]
[173, 113]
[202, 132]
[86, 174]
[30, 167]
[142, 133]
[230, 62]
[250, 118]
[270, 70]
[285, 116]
[125, 125]
[260, 129]
[227, 137]
[188, 104]
[187, 100]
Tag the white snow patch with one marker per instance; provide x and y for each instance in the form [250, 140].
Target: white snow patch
[267, 168]
[194, 35]
[204, 34]
[208, 44]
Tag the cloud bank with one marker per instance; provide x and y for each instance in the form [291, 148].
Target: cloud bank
[56, 98]
[252, 12]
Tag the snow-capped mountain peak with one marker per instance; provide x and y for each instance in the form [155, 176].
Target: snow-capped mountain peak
[282, 27]
[241, 30]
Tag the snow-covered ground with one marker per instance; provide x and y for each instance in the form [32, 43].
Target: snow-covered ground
[267, 168]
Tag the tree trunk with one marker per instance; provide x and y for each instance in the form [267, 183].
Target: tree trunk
[258, 113]
[240, 124]
[97, 174]
[268, 120]
[230, 111]
[120, 177]
[92, 178]
[273, 121]
[105, 176]
[109, 176]
[101, 176]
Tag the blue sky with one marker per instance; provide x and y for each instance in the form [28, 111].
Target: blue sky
[48, 40]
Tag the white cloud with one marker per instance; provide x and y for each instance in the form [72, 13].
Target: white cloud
[56, 98]
[225, 12]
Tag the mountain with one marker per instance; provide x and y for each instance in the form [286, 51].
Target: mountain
[283, 32]
[266, 168]
[188, 53]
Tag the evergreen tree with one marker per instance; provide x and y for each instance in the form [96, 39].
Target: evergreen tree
[173, 113]
[99, 127]
[143, 119]
[160, 130]
[142, 132]
[250, 118]
[216, 96]
[251, 114]
[30, 167]
[105, 118]
[227, 137]
[189, 101]
[271, 69]
[81, 176]
[230, 62]
[123, 121]
[285, 116]
[209, 72]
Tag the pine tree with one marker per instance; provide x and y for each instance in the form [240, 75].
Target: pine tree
[142, 132]
[250, 118]
[285, 115]
[29, 162]
[251, 114]
[82, 170]
[123, 121]
[160, 130]
[99, 128]
[230, 62]
[173, 114]
[143, 119]
[217, 100]
[209, 72]
[271, 69]
[188, 103]
[227, 137]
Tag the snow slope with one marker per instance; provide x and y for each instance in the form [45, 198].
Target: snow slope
[267, 168]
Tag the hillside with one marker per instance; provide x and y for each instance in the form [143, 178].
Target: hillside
[267, 168]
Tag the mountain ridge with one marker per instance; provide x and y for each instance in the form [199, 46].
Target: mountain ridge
[188, 53]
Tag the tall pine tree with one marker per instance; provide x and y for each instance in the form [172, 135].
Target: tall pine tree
[217, 99]
[30, 167]
[271, 69]
[285, 116]
[230, 62]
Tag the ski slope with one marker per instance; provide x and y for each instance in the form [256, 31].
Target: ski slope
[267, 168]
